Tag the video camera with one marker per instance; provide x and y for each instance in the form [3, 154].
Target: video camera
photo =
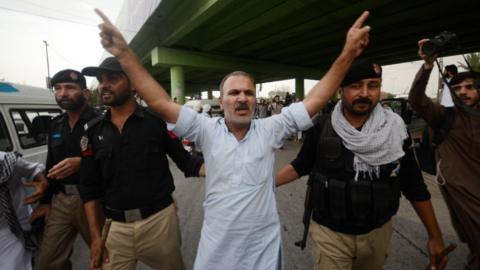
[442, 42]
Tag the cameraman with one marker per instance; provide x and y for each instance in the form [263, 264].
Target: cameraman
[458, 155]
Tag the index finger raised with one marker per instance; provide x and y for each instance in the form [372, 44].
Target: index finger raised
[102, 15]
[359, 22]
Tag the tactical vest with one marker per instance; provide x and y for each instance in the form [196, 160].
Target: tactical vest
[343, 203]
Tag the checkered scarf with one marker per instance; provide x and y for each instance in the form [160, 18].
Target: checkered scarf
[379, 142]
[7, 166]
[7, 212]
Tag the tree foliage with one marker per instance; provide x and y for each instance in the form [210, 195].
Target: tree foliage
[94, 100]
[474, 60]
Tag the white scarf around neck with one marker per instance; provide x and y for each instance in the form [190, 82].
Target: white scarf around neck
[379, 142]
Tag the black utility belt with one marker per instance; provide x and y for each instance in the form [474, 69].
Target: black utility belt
[132, 215]
[69, 189]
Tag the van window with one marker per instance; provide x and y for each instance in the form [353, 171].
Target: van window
[23, 119]
[5, 142]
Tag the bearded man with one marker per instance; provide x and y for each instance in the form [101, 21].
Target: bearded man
[62, 205]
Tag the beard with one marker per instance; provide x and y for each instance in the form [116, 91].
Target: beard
[71, 104]
[116, 99]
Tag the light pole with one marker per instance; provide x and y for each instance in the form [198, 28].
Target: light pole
[48, 66]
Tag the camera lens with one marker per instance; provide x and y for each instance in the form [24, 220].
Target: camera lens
[428, 48]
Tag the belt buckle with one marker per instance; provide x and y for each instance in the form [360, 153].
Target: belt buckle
[132, 215]
[71, 190]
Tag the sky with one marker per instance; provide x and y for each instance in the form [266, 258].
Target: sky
[70, 29]
[68, 26]
[396, 79]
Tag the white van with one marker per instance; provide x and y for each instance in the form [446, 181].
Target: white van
[25, 112]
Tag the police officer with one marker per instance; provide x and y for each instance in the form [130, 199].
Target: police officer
[66, 215]
[125, 164]
[359, 163]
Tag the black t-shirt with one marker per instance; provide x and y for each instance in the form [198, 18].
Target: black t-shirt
[130, 169]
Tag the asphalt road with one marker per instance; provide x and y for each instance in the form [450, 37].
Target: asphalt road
[407, 249]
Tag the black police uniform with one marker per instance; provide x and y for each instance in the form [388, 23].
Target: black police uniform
[63, 143]
[67, 216]
[130, 170]
[343, 204]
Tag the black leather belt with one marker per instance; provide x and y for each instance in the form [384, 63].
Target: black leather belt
[136, 214]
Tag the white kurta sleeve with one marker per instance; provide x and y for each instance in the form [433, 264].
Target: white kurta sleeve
[292, 119]
[189, 125]
[27, 170]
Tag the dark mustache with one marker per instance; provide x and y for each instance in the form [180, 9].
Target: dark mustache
[106, 91]
[65, 99]
[241, 106]
[362, 100]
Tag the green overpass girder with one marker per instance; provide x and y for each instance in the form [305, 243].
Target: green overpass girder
[184, 22]
[294, 33]
[279, 11]
[166, 57]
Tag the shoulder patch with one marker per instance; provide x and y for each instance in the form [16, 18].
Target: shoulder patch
[86, 147]
[172, 135]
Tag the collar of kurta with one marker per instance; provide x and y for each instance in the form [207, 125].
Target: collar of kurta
[225, 128]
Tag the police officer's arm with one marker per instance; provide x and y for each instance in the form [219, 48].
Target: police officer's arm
[147, 87]
[190, 165]
[432, 112]
[52, 186]
[356, 41]
[43, 209]
[64, 168]
[415, 190]
[92, 211]
[435, 246]
[303, 163]
[90, 188]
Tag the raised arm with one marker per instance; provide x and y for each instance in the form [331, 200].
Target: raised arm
[147, 87]
[432, 112]
[356, 41]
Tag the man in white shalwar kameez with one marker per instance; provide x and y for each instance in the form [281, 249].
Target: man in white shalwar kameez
[241, 228]
[25, 184]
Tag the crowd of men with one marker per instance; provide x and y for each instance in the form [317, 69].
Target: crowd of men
[110, 167]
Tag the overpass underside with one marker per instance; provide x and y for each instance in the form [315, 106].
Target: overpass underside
[189, 45]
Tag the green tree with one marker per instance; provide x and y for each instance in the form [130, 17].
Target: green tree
[94, 100]
[474, 60]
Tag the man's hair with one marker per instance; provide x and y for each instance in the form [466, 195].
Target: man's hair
[460, 77]
[452, 69]
[235, 73]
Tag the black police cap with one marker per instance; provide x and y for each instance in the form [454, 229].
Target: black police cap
[360, 71]
[69, 75]
[110, 64]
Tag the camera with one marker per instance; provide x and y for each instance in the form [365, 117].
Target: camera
[442, 42]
